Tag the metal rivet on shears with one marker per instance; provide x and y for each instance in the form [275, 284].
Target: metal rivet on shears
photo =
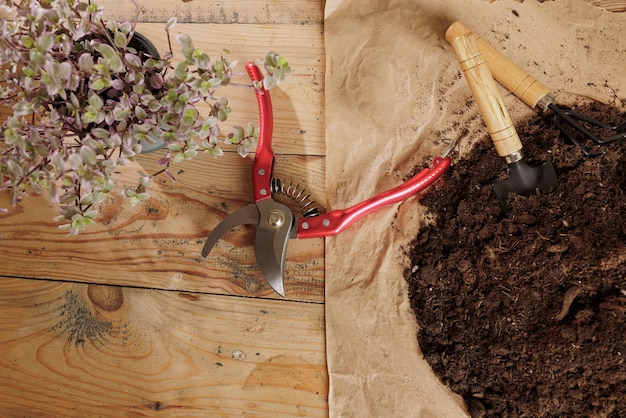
[305, 225]
[275, 218]
[326, 222]
[263, 192]
[261, 172]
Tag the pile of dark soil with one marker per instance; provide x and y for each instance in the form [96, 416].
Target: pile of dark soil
[523, 312]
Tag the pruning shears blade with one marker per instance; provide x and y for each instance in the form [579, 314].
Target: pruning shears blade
[248, 215]
[276, 221]
[270, 262]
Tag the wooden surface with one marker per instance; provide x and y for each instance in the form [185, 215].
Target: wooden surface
[128, 319]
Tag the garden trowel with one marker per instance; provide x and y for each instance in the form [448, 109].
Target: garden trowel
[523, 179]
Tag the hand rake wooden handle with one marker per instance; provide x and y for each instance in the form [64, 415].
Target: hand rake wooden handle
[505, 71]
[485, 91]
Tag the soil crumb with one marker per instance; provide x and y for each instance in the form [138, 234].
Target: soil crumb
[523, 311]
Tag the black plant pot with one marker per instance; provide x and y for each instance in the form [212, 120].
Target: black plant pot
[142, 44]
[146, 49]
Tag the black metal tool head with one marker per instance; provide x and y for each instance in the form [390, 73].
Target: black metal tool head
[578, 128]
[525, 180]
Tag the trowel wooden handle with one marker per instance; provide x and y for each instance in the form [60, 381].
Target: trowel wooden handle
[505, 71]
[486, 94]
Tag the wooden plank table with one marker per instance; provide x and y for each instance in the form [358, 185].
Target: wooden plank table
[128, 319]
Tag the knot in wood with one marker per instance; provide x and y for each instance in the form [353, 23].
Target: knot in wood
[108, 298]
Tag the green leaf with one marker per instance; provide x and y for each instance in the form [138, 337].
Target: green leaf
[140, 113]
[75, 161]
[171, 94]
[44, 42]
[184, 98]
[22, 108]
[187, 52]
[120, 114]
[214, 82]
[206, 128]
[252, 130]
[184, 40]
[107, 187]
[132, 60]
[175, 147]
[116, 65]
[134, 200]
[106, 51]
[99, 84]
[171, 22]
[215, 152]
[57, 161]
[189, 154]
[74, 101]
[93, 213]
[139, 137]
[15, 169]
[238, 134]
[111, 57]
[79, 222]
[154, 105]
[37, 58]
[28, 42]
[269, 82]
[88, 155]
[179, 158]
[100, 133]
[144, 181]
[120, 40]
[96, 101]
[86, 199]
[203, 61]
[222, 115]
[89, 116]
[243, 149]
[126, 27]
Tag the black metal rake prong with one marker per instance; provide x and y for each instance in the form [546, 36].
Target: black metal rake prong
[621, 128]
[564, 118]
[573, 117]
[572, 138]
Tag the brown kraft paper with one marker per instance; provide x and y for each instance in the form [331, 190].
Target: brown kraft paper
[394, 94]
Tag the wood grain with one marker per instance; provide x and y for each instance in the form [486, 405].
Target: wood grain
[88, 350]
[158, 244]
[503, 69]
[615, 6]
[485, 91]
[295, 12]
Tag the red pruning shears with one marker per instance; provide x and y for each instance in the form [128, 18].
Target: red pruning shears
[275, 222]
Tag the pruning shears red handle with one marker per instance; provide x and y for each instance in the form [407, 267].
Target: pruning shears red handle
[334, 222]
[264, 157]
[276, 223]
